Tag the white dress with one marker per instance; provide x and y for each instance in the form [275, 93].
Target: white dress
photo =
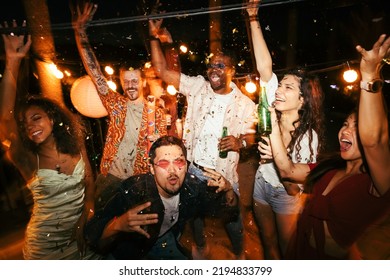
[58, 203]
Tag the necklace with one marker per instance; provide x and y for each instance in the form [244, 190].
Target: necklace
[60, 161]
[171, 206]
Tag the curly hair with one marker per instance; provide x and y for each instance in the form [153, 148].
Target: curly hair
[68, 131]
[311, 116]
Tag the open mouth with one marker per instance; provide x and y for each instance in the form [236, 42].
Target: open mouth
[214, 78]
[345, 144]
[173, 180]
[279, 99]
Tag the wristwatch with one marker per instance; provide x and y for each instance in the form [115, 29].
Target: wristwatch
[373, 86]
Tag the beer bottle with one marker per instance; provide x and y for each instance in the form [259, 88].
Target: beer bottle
[223, 154]
[264, 115]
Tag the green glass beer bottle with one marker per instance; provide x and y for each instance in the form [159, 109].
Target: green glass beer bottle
[264, 115]
[223, 154]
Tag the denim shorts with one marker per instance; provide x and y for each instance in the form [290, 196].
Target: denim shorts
[276, 197]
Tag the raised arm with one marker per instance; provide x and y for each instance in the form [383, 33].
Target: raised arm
[159, 62]
[373, 123]
[16, 48]
[81, 15]
[260, 49]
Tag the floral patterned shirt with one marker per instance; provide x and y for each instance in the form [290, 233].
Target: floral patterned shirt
[116, 106]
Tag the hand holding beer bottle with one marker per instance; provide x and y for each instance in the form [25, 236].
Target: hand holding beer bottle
[264, 125]
[223, 154]
[264, 115]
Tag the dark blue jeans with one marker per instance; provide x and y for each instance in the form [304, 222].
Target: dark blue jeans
[166, 248]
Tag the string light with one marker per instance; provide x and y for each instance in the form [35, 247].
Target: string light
[55, 71]
[250, 86]
[171, 90]
[183, 48]
[350, 75]
[109, 70]
[112, 85]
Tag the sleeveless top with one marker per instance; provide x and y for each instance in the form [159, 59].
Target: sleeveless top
[58, 204]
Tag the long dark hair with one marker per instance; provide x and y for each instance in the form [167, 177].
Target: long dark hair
[68, 131]
[311, 115]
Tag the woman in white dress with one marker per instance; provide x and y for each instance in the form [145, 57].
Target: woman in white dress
[45, 142]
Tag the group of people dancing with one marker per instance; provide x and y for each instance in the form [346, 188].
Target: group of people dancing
[306, 204]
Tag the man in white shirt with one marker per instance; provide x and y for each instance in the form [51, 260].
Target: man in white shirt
[211, 105]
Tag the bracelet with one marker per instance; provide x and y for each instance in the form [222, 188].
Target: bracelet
[253, 18]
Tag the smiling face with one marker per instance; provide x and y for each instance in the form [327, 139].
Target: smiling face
[131, 82]
[169, 168]
[288, 95]
[220, 72]
[349, 147]
[38, 125]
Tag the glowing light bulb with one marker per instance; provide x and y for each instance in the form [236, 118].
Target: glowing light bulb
[148, 65]
[112, 85]
[109, 70]
[350, 76]
[183, 49]
[57, 73]
[171, 90]
[250, 87]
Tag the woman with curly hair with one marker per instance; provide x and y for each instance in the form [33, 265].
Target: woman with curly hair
[297, 100]
[45, 142]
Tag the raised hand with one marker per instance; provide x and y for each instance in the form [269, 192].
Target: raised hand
[82, 14]
[371, 61]
[16, 46]
[252, 7]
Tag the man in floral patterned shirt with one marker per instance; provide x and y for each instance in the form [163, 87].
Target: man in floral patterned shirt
[128, 137]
